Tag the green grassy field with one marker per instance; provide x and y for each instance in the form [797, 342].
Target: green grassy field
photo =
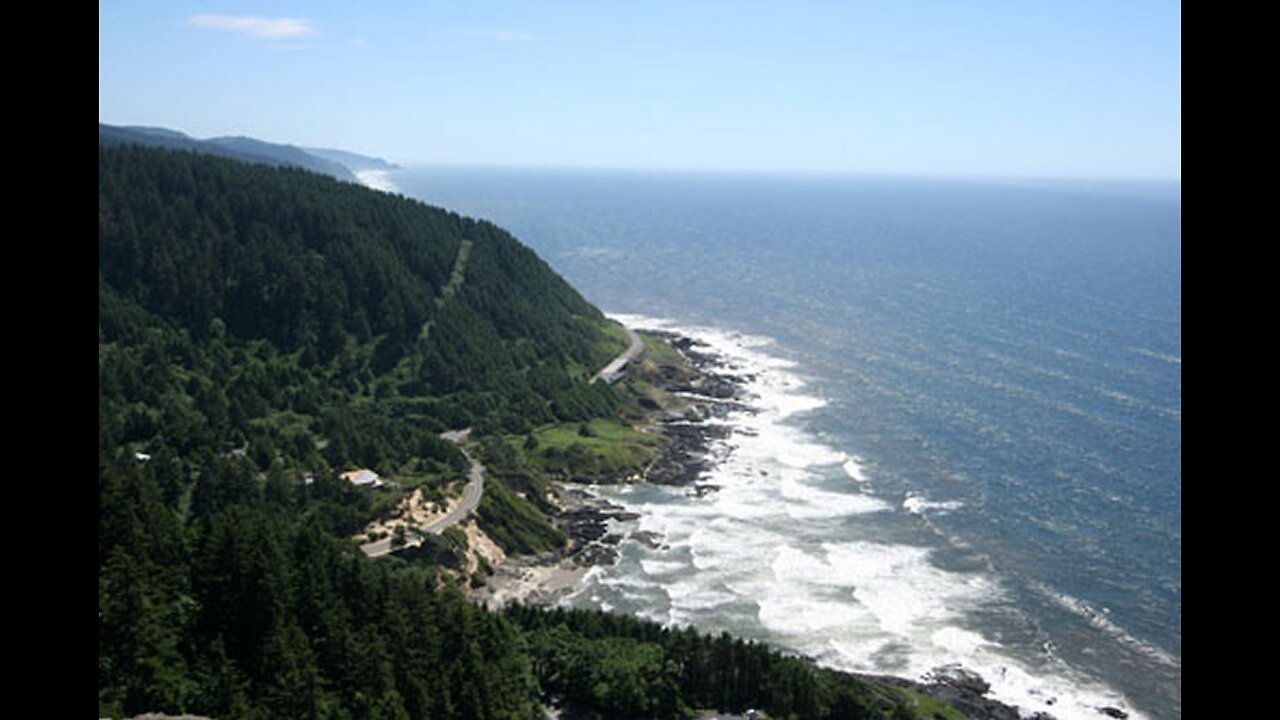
[600, 446]
[660, 352]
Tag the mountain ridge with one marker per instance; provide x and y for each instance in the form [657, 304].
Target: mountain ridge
[242, 148]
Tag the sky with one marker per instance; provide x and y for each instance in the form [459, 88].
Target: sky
[1077, 89]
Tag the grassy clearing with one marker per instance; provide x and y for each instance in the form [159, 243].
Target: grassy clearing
[658, 351]
[660, 365]
[930, 707]
[597, 447]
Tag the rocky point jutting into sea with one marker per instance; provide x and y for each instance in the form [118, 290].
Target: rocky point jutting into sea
[979, 456]
[602, 526]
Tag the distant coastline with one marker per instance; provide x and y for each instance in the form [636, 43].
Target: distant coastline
[377, 179]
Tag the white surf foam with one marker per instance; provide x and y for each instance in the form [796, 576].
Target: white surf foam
[662, 567]
[1171, 359]
[1099, 619]
[962, 643]
[627, 582]
[852, 467]
[859, 605]
[808, 502]
[916, 504]
[903, 601]
[800, 616]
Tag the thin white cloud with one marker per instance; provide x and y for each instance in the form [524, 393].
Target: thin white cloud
[500, 35]
[292, 46]
[259, 27]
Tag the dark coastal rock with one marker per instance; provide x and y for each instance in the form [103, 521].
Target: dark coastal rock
[676, 472]
[712, 387]
[713, 392]
[683, 343]
[586, 533]
[685, 457]
[584, 525]
[718, 388]
[596, 554]
[959, 677]
[648, 538]
[576, 495]
[585, 521]
[964, 690]
[1113, 712]
[599, 512]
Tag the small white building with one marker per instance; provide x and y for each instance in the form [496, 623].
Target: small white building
[363, 477]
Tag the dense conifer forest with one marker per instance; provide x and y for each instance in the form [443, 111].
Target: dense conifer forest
[260, 330]
[280, 313]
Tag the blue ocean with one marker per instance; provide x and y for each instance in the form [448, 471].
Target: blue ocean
[965, 440]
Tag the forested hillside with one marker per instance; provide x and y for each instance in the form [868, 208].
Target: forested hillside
[243, 308]
[249, 605]
[259, 329]
[237, 148]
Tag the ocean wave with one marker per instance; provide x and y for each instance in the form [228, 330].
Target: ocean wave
[917, 504]
[852, 466]
[809, 502]
[858, 605]
[662, 567]
[1098, 619]
[1165, 357]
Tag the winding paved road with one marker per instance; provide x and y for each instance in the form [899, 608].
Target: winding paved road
[474, 491]
[613, 372]
[470, 501]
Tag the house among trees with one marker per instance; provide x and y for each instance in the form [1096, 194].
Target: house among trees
[363, 477]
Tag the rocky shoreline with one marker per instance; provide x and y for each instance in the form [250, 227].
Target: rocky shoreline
[708, 393]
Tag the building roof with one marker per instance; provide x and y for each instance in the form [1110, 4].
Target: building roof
[362, 476]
